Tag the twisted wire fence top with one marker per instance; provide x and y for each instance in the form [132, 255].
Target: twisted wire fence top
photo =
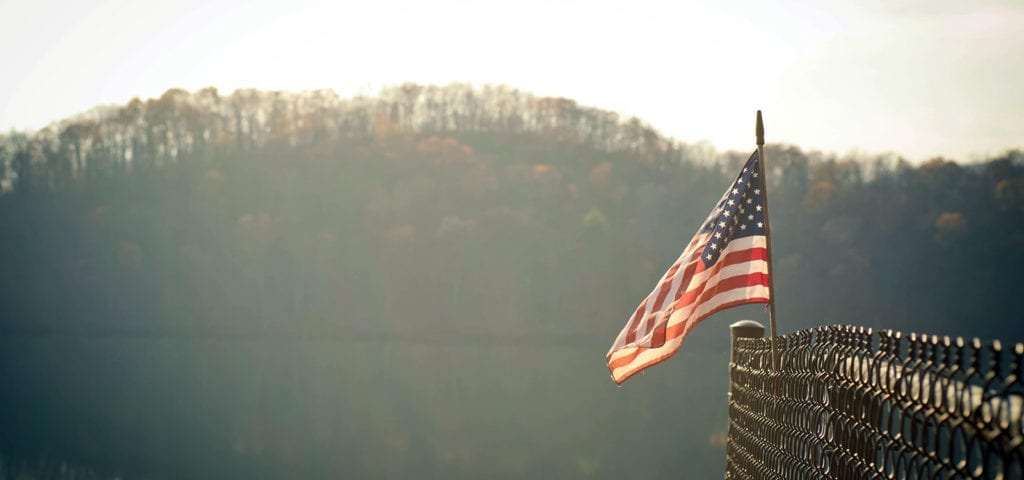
[847, 402]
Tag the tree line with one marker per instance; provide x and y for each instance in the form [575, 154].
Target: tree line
[459, 257]
[430, 165]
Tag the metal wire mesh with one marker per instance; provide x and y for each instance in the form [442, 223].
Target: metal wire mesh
[851, 404]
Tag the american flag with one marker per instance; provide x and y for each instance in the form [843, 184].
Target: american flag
[725, 264]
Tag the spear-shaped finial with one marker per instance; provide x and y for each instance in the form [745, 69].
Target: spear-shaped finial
[759, 130]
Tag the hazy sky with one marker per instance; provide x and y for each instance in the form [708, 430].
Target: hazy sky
[920, 78]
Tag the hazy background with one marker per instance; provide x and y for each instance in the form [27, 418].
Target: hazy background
[420, 280]
[920, 78]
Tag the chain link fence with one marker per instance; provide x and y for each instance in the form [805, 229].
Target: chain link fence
[849, 403]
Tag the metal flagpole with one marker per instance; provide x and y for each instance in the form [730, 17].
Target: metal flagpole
[759, 132]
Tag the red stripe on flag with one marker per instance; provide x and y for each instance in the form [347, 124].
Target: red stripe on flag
[667, 354]
[656, 307]
[730, 259]
[724, 285]
[674, 331]
[631, 335]
[681, 299]
[690, 292]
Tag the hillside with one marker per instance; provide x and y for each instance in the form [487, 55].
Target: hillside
[349, 201]
[428, 280]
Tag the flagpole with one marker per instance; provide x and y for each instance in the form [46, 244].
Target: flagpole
[759, 132]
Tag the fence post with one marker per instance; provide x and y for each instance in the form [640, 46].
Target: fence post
[743, 329]
[740, 329]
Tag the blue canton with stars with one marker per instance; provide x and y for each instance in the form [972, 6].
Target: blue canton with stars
[739, 214]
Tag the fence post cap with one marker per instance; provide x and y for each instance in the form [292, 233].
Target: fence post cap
[747, 328]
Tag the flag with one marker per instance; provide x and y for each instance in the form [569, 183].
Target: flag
[724, 265]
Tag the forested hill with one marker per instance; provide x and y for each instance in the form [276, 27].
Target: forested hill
[460, 208]
[423, 284]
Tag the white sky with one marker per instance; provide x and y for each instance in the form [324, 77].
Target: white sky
[925, 78]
